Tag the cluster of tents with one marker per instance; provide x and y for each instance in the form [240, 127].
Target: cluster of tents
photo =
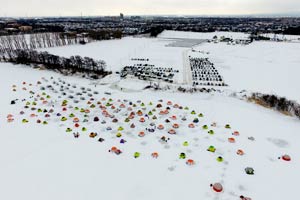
[84, 113]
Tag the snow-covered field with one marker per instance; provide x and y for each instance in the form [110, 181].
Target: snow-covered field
[43, 161]
[268, 67]
[118, 53]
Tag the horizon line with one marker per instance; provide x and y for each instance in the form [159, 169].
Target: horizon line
[262, 15]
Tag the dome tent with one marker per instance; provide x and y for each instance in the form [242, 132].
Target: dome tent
[190, 162]
[191, 125]
[93, 135]
[228, 126]
[122, 141]
[182, 156]
[249, 170]
[220, 159]
[185, 143]
[119, 134]
[154, 155]
[68, 130]
[211, 149]
[205, 127]
[240, 152]
[286, 157]
[137, 154]
[217, 187]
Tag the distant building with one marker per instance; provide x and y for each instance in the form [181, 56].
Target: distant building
[121, 16]
[11, 30]
[25, 28]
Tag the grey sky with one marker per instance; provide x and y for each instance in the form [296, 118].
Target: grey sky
[145, 7]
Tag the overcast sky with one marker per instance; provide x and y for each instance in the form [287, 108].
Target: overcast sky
[145, 7]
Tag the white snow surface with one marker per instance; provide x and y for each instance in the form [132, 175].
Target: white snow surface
[118, 53]
[44, 162]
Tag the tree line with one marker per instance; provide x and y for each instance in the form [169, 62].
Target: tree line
[280, 104]
[65, 65]
[39, 40]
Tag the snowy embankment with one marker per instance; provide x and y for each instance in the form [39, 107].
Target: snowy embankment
[206, 36]
[45, 162]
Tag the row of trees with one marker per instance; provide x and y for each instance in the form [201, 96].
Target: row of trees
[105, 34]
[40, 40]
[54, 62]
[280, 104]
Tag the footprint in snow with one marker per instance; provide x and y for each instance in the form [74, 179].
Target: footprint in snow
[189, 151]
[241, 188]
[221, 140]
[144, 143]
[172, 168]
[231, 193]
[278, 142]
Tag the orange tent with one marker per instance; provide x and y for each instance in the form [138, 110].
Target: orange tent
[141, 134]
[160, 127]
[175, 125]
[231, 140]
[236, 133]
[217, 187]
[169, 103]
[139, 113]
[75, 120]
[154, 155]
[173, 117]
[10, 120]
[286, 157]
[191, 125]
[172, 131]
[9, 116]
[190, 162]
[240, 152]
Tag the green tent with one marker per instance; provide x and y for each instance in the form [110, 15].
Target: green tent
[227, 126]
[182, 156]
[185, 143]
[25, 121]
[68, 130]
[211, 149]
[63, 119]
[205, 127]
[220, 159]
[136, 154]
[119, 134]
